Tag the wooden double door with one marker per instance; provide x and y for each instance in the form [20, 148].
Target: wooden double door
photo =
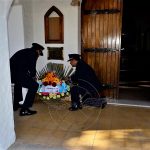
[101, 23]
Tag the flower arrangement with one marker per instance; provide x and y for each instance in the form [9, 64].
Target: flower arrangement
[53, 83]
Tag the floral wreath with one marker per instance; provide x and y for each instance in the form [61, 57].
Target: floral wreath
[52, 80]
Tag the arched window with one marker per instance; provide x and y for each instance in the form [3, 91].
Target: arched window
[54, 26]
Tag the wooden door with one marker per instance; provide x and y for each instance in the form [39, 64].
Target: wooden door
[101, 39]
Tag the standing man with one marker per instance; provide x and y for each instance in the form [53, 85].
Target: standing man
[85, 82]
[23, 72]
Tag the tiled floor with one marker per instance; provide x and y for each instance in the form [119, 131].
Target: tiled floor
[56, 128]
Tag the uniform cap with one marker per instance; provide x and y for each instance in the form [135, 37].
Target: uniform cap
[37, 46]
[74, 56]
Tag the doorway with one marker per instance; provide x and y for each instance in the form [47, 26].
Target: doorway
[134, 82]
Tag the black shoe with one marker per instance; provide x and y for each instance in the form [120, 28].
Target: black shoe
[80, 106]
[26, 112]
[104, 105]
[73, 108]
[15, 108]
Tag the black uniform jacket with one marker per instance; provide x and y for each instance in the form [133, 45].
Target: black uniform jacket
[23, 64]
[85, 77]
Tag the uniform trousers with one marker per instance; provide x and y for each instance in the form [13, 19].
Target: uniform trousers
[80, 94]
[31, 85]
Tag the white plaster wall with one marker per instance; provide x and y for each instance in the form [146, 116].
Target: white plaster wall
[15, 29]
[16, 33]
[33, 18]
[71, 28]
[7, 134]
[27, 20]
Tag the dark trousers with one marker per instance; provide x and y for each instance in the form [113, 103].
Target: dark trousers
[76, 92]
[83, 91]
[32, 87]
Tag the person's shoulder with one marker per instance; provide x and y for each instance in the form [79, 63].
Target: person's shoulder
[85, 64]
[27, 51]
[23, 50]
[88, 67]
[82, 64]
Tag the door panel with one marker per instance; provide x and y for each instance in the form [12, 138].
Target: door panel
[101, 30]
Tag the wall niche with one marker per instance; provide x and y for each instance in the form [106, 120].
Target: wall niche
[54, 24]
